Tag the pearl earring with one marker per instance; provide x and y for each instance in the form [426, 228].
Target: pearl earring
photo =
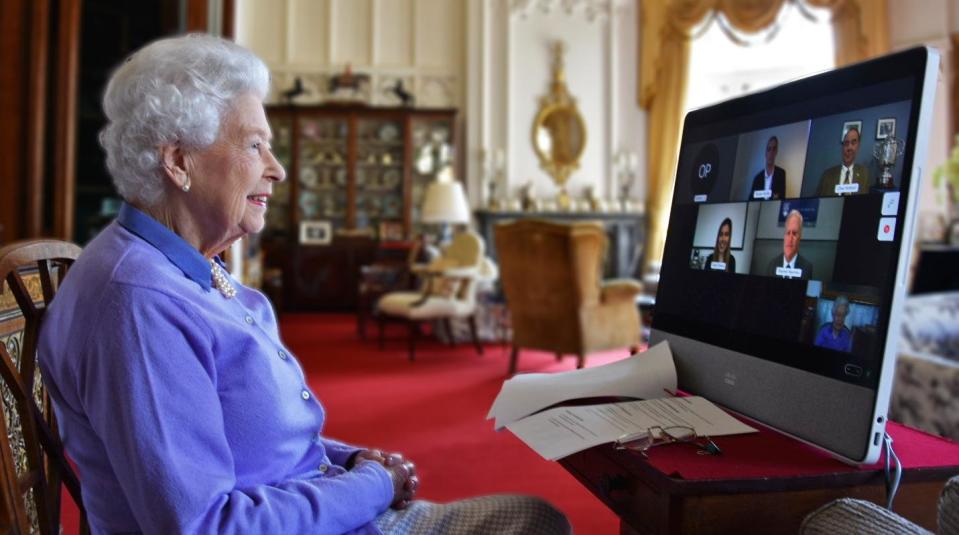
[186, 185]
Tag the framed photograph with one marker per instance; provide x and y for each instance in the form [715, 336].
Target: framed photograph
[316, 232]
[850, 124]
[391, 231]
[885, 128]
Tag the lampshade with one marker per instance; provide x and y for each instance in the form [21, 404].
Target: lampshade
[445, 202]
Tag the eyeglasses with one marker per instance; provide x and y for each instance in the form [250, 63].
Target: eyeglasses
[656, 436]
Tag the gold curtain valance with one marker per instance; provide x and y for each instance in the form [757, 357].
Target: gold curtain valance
[860, 28]
[663, 22]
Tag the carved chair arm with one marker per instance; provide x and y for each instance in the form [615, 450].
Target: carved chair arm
[464, 275]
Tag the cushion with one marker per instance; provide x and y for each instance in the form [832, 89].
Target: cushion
[949, 508]
[926, 394]
[847, 515]
[930, 325]
[401, 304]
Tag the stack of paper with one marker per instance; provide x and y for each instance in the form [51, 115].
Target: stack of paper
[643, 376]
[558, 432]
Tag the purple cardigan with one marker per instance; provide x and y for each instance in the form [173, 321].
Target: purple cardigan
[183, 409]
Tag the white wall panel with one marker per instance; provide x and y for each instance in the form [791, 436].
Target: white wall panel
[351, 27]
[393, 29]
[531, 61]
[912, 22]
[911, 26]
[421, 41]
[438, 33]
[309, 32]
[513, 70]
[629, 121]
[261, 26]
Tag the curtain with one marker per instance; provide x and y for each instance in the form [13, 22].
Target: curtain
[861, 31]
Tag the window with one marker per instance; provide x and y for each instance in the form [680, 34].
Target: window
[798, 44]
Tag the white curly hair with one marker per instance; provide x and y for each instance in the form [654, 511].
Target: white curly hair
[174, 90]
[841, 301]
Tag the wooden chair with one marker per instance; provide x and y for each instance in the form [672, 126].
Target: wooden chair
[390, 271]
[32, 462]
[449, 290]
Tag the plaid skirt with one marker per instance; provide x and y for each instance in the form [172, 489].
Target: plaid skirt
[499, 514]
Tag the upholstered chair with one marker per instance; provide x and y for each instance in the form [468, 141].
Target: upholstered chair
[551, 278]
[448, 290]
[850, 515]
[390, 271]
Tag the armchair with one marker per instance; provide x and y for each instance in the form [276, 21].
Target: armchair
[848, 515]
[448, 290]
[550, 273]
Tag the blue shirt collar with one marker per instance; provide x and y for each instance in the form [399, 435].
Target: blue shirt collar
[178, 251]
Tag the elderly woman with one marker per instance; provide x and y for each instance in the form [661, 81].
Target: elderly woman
[835, 334]
[183, 409]
[721, 259]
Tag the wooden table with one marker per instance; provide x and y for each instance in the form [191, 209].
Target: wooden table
[763, 483]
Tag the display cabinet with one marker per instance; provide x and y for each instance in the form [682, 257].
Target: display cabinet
[356, 176]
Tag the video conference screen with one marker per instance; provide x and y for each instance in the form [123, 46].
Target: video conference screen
[783, 236]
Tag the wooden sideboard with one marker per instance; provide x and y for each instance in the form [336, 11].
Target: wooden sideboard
[626, 232]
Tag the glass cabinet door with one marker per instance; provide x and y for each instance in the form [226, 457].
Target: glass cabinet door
[432, 139]
[379, 176]
[322, 174]
[278, 212]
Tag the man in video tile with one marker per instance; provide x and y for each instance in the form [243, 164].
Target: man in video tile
[771, 178]
[849, 178]
[791, 265]
[835, 334]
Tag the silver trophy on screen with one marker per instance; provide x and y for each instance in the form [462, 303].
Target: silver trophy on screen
[887, 152]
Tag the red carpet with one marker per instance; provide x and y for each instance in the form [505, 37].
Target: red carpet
[434, 412]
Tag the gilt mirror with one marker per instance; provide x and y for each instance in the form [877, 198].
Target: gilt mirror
[559, 132]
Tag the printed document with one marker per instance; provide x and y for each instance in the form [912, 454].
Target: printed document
[562, 431]
[643, 376]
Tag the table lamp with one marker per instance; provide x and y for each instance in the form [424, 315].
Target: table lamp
[445, 203]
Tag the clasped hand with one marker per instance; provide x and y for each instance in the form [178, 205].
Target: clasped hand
[402, 472]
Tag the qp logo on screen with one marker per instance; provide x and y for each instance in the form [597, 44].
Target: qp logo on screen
[705, 171]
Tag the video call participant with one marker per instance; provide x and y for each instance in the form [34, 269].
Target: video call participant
[178, 400]
[848, 173]
[771, 178]
[721, 259]
[791, 265]
[835, 334]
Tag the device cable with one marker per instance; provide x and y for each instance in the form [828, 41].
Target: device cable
[892, 479]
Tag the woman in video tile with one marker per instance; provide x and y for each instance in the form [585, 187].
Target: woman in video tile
[721, 259]
[835, 334]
